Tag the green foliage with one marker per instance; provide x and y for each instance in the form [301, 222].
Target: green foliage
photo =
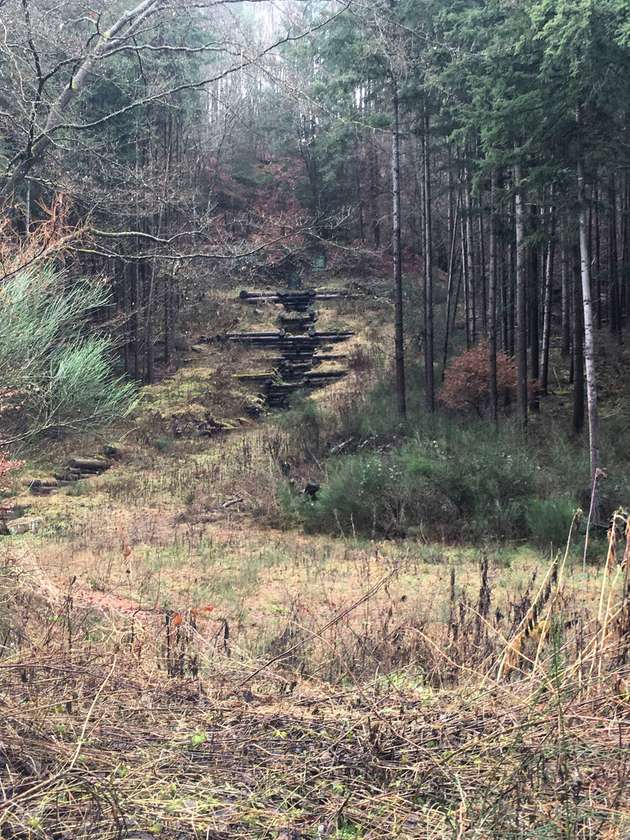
[549, 521]
[437, 476]
[360, 496]
[460, 484]
[54, 374]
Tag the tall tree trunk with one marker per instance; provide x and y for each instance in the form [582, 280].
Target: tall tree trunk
[548, 298]
[452, 221]
[505, 300]
[401, 389]
[521, 299]
[614, 298]
[492, 302]
[533, 312]
[483, 279]
[589, 334]
[566, 297]
[511, 293]
[358, 189]
[470, 259]
[449, 288]
[428, 271]
[374, 210]
[625, 251]
[466, 281]
[578, 346]
[598, 256]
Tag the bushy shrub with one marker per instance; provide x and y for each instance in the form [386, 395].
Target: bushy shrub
[462, 486]
[467, 379]
[56, 373]
[304, 423]
[444, 476]
[357, 497]
[549, 521]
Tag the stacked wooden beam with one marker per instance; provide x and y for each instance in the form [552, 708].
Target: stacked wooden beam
[76, 469]
[283, 339]
[300, 347]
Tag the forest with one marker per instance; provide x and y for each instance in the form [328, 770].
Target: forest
[314, 419]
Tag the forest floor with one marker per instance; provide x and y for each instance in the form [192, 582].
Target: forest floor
[171, 667]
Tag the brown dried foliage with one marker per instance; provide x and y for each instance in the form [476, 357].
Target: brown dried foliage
[49, 238]
[467, 379]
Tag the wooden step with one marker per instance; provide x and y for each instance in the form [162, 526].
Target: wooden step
[293, 296]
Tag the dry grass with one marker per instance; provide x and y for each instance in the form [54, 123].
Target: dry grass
[170, 669]
[375, 704]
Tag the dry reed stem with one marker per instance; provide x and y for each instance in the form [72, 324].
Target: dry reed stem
[98, 741]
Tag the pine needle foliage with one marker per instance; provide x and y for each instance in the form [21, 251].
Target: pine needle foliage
[56, 374]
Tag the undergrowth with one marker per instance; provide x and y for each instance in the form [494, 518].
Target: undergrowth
[440, 475]
[506, 717]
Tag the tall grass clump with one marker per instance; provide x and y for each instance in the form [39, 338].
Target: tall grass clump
[56, 373]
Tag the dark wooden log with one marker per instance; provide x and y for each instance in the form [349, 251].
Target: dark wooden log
[298, 355]
[326, 375]
[256, 377]
[274, 388]
[43, 486]
[283, 340]
[68, 475]
[89, 464]
[293, 296]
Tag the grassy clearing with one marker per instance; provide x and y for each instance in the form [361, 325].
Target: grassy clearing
[351, 690]
[173, 667]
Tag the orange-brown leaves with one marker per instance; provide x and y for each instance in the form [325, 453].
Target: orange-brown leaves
[50, 237]
[467, 379]
[6, 466]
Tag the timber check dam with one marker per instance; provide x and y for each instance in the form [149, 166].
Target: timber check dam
[300, 349]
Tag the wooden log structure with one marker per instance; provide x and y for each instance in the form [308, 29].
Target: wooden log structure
[298, 355]
[76, 469]
[301, 348]
[291, 298]
[269, 339]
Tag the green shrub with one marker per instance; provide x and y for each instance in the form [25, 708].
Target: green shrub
[441, 476]
[485, 480]
[358, 496]
[56, 372]
[549, 521]
[163, 443]
[446, 488]
[304, 423]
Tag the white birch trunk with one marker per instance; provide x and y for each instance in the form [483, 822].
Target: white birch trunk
[589, 333]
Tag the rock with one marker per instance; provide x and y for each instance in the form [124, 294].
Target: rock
[114, 451]
[198, 348]
[67, 476]
[181, 343]
[10, 511]
[42, 482]
[214, 427]
[25, 525]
